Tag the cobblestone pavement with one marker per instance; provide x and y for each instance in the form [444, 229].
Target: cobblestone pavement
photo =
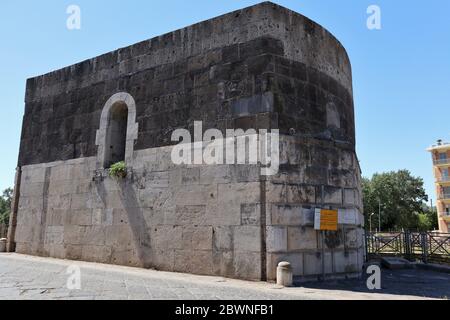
[26, 277]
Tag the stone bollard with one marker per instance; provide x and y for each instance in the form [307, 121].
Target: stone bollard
[284, 274]
[3, 245]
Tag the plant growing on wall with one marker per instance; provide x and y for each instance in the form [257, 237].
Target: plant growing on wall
[118, 170]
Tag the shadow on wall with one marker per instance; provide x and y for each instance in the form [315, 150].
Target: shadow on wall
[137, 224]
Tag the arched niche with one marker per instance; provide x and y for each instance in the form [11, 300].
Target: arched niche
[118, 131]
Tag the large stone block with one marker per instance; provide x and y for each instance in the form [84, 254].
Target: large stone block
[247, 265]
[233, 196]
[221, 215]
[193, 261]
[301, 238]
[350, 197]
[287, 215]
[79, 201]
[96, 253]
[167, 237]
[332, 195]
[93, 235]
[346, 262]
[157, 180]
[120, 238]
[315, 264]
[250, 214]
[128, 257]
[151, 198]
[33, 174]
[191, 215]
[196, 195]
[223, 238]
[81, 217]
[223, 263]
[73, 235]
[33, 189]
[62, 187]
[197, 237]
[348, 216]
[215, 174]
[247, 238]
[277, 239]
[245, 173]
[103, 217]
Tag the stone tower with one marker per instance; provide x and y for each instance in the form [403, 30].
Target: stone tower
[262, 67]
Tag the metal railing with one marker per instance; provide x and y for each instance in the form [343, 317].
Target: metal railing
[441, 161]
[444, 196]
[425, 246]
[443, 179]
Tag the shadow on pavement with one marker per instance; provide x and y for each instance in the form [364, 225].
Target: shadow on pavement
[412, 282]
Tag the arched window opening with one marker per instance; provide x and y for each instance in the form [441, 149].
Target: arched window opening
[116, 134]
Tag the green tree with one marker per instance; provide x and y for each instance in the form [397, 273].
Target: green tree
[5, 206]
[428, 219]
[400, 196]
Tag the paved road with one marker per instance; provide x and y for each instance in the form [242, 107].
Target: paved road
[26, 277]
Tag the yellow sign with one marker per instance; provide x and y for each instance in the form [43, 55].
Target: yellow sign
[326, 220]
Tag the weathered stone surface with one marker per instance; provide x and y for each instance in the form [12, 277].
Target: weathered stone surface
[262, 67]
[287, 215]
[302, 238]
[277, 239]
[247, 238]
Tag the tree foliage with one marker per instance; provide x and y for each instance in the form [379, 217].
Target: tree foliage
[5, 206]
[401, 197]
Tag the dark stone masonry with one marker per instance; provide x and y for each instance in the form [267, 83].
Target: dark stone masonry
[262, 67]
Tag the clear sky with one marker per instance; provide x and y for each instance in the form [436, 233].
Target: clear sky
[401, 73]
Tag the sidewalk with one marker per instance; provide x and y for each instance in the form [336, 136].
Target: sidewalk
[27, 277]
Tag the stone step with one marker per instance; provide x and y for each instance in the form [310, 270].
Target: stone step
[395, 263]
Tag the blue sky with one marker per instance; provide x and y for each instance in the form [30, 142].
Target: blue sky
[401, 73]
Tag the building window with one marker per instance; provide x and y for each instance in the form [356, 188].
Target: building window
[444, 174]
[442, 156]
[445, 193]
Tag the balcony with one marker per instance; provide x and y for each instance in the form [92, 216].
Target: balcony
[441, 162]
[445, 197]
[445, 180]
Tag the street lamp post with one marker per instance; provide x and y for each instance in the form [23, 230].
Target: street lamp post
[379, 215]
[370, 221]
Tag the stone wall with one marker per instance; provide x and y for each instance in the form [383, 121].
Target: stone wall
[263, 67]
[315, 174]
[197, 219]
